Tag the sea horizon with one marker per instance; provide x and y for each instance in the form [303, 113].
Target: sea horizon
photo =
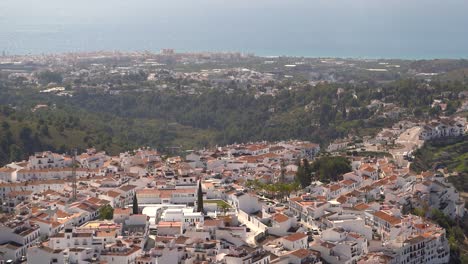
[327, 29]
[262, 54]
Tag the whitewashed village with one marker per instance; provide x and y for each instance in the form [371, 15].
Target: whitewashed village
[223, 205]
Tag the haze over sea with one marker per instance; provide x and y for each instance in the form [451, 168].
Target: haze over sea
[417, 29]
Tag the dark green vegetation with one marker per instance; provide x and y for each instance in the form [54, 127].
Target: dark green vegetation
[117, 112]
[135, 205]
[447, 153]
[140, 114]
[200, 207]
[278, 190]
[325, 169]
[106, 212]
[330, 168]
[304, 173]
[451, 154]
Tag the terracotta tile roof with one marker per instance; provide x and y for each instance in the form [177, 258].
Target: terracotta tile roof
[106, 233]
[169, 224]
[355, 235]
[93, 200]
[113, 194]
[166, 193]
[250, 159]
[387, 218]
[19, 193]
[354, 193]
[214, 222]
[181, 240]
[361, 207]
[6, 169]
[342, 199]
[256, 147]
[127, 188]
[335, 187]
[369, 169]
[122, 211]
[302, 253]
[280, 218]
[393, 178]
[347, 182]
[295, 237]
[164, 239]
[61, 214]
[327, 244]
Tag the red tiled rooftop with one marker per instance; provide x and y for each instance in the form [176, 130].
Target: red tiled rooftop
[280, 218]
[387, 218]
[295, 237]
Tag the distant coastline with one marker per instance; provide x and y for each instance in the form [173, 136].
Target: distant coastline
[52, 41]
[7, 52]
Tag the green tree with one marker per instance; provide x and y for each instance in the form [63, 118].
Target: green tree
[47, 76]
[304, 173]
[224, 207]
[135, 204]
[45, 130]
[200, 198]
[15, 153]
[451, 108]
[5, 125]
[435, 111]
[331, 168]
[106, 212]
[419, 212]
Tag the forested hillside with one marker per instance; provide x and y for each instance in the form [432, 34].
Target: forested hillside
[167, 119]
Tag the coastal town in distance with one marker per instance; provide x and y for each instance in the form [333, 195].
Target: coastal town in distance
[335, 166]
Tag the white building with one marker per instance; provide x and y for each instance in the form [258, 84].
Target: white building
[186, 216]
[295, 241]
[48, 160]
[15, 237]
[167, 196]
[246, 202]
[442, 128]
[44, 255]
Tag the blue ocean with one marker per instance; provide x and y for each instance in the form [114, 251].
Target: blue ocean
[314, 28]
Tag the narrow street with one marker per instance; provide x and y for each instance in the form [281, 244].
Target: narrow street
[409, 141]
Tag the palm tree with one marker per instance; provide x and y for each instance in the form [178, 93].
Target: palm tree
[224, 207]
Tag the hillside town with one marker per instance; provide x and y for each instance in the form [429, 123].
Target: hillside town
[212, 206]
[233, 132]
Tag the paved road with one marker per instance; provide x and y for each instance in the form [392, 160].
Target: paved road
[409, 140]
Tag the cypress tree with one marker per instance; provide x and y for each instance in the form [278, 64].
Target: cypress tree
[135, 204]
[200, 198]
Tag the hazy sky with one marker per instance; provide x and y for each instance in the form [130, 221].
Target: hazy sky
[137, 11]
[444, 23]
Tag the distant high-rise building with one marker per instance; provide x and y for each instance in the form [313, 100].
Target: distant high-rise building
[167, 52]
